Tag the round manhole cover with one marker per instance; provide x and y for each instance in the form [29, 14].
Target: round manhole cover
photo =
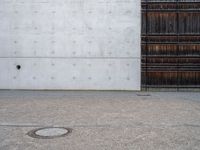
[49, 133]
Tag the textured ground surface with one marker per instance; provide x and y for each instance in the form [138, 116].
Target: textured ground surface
[101, 120]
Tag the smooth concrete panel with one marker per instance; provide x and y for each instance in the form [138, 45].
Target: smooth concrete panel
[64, 46]
[69, 31]
[45, 73]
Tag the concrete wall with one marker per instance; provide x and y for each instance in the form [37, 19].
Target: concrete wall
[70, 44]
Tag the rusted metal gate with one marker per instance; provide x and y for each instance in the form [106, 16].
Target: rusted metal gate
[171, 44]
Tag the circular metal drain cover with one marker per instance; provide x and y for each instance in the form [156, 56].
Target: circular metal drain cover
[49, 133]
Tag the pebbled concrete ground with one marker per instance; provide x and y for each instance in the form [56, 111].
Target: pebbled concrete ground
[101, 120]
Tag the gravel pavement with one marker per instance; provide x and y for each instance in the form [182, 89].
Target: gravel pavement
[101, 120]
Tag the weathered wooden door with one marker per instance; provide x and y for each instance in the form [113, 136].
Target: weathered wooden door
[171, 43]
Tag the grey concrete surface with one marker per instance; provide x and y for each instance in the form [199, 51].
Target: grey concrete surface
[101, 120]
[70, 44]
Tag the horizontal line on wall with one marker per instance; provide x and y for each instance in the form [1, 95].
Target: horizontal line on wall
[171, 10]
[163, 43]
[171, 34]
[170, 2]
[74, 57]
[170, 71]
[172, 56]
[171, 86]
